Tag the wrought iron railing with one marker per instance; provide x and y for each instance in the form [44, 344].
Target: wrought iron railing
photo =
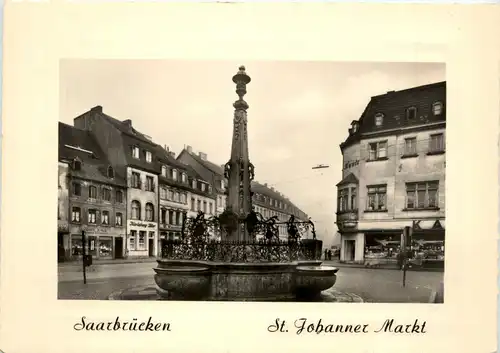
[200, 240]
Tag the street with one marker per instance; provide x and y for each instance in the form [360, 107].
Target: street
[373, 285]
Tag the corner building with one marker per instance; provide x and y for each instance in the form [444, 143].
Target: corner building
[394, 176]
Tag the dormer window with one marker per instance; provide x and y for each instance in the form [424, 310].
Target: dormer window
[411, 113]
[437, 108]
[379, 119]
[164, 170]
[111, 172]
[135, 152]
[222, 186]
[183, 177]
[77, 164]
[355, 126]
[174, 174]
[194, 184]
[149, 157]
[203, 186]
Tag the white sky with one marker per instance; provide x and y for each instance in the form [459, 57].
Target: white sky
[299, 112]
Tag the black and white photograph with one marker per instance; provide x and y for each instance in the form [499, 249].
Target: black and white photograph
[267, 181]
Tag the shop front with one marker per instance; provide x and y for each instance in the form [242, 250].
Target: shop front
[100, 242]
[141, 239]
[168, 234]
[63, 242]
[382, 247]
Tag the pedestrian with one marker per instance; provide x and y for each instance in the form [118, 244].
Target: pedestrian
[329, 254]
[326, 254]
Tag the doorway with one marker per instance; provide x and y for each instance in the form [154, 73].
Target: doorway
[151, 247]
[118, 247]
[350, 250]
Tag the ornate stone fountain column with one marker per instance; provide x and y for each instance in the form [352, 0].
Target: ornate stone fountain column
[239, 171]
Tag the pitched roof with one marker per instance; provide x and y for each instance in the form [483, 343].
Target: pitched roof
[349, 179]
[132, 137]
[393, 105]
[77, 143]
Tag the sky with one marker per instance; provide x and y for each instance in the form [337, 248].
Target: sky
[299, 112]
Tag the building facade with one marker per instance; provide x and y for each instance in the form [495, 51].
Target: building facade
[134, 154]
[96, 198]
[266, 200]
[63, 238]
[394, 176]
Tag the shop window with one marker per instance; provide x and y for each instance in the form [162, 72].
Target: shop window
[422, 195]
[136, 210]
[142, 240]
[377, 196]
[377, 150]
[133, 240]
[105, 247]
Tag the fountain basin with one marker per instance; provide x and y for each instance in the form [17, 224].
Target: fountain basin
[311, 280]
[183, 282]
[265, 281]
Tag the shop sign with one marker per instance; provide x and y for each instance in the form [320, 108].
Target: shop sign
[96, 229]
[142, 224]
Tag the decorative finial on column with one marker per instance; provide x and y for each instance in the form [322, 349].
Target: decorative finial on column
[241, 79]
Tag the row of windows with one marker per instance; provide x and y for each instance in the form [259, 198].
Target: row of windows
[136, 211]
[378, 150]
[147, 154]
[274, 203]
[421, 195]
[182, 177]
[204, 206]
[106, 192]
[411, 113]
[96, 217]
[136, 182]
[173, 195]
[173, 217]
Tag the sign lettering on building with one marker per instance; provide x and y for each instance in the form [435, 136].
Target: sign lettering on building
[142, 224]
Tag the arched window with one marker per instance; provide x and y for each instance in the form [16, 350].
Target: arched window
[136, 210]
[379, 119]
[111, 172]
[437, 108]
[149, 212]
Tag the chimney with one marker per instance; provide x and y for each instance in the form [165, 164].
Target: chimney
[127, 122]
[97, 109]
[172, 154]
[265, 184]
[203, 156]
[189, 149]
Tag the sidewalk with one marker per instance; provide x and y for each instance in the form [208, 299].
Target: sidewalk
[95, 262]
[337, 263]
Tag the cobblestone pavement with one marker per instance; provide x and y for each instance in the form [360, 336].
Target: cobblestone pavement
[372, 285]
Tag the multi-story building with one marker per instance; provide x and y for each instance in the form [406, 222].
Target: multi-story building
[394, 176]
[133, 153]
[63, 239]
[268, 201]
[175, 191]
[97, 199]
